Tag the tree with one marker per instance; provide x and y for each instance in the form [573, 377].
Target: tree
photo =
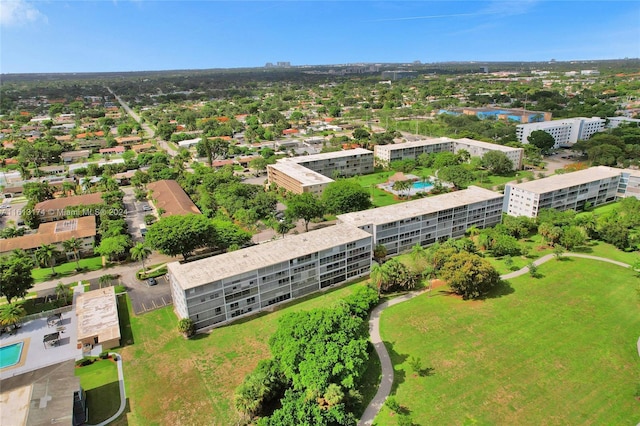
[319, 347]
[284, 226]
[458, 175]
[402, 185]
[497, 162]
[113, 247]
[11, 314]
[62, 292]
[344, 196]
[503, 245]
[542, 140]
[379, 252]
[212, 148]
[378, 276]
[174, 235]
[305, 206]
[105, 280]
[187, 327]
[558, 251]
[74, 245]
[469, 275]
[361, 134]
[15, 275]
[140, 252]
[572, 236]
[46, 255]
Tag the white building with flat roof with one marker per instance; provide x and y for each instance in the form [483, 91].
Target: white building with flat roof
[312, 173]
[565, 132]
[614, 122]
[427, 220]
[595, 185]
[413, 149]
[219, 289]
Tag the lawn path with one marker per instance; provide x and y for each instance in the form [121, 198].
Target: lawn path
[123, 396]
[386, 382]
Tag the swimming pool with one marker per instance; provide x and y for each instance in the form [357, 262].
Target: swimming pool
[10, 354]
[422, 185]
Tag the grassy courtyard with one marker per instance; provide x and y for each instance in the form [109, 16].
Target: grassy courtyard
[67, 269]
[560, 349]
[100, 381]
[171, 380]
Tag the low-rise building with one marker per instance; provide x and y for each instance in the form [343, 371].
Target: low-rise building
[428, 220]
[59, 208]
[595, 185]
[128, 140]
[219, 289]
[98, 322]
[412, 150]
[312, 173]
[72, 156]
[169, 196]
[56, 233]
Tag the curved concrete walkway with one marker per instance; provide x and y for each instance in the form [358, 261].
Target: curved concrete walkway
[384, 389]
[123, 396]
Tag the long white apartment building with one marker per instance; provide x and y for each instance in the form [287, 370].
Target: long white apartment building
[565, 132]
[312, 173]
[219, 289]
[427, 220]
[595, 185]
[412, 150]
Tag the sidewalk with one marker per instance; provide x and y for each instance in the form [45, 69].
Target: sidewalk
[126, 271]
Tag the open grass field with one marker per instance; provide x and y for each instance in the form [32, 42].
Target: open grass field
[560, 349]
[100, 381]
[67, 269]
[171, 381]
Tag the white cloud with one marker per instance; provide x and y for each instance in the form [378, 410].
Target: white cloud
[15, 13]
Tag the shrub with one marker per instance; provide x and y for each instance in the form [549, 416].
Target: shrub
[187, 327]
[104, 355]
[392, 404]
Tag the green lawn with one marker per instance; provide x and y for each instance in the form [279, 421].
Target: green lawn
[67, 269]
[171, 380]
[494, 180]
[100, 381]
[560, 349]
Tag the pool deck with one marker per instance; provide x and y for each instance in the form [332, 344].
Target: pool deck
[34, 354]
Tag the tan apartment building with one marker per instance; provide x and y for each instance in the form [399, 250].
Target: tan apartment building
[169, 196]
[98, 322]
[60, 208]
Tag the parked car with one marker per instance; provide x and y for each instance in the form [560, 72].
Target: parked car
[146, 208]
[152, 282]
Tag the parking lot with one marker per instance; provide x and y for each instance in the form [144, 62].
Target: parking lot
[145, 298]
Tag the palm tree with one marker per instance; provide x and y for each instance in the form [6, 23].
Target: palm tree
[105, 280]
[46, 254]
[73, 245]
[87, 186]
[472, 231]
[67, 188]
[11, 314]
[378, 276]
[402, 185]
[140, 252]
[62, 292]
[419, 257]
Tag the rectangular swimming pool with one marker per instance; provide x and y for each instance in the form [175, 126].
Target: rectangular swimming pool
[10, 354]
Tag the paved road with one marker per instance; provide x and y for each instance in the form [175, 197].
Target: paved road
[149, 132]
[384, 389]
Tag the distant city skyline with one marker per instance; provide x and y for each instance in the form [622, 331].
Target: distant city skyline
[140, 35]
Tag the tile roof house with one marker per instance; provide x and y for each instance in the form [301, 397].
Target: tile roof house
[171, 198]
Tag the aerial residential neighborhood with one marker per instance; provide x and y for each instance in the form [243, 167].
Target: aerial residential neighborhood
[388, 241]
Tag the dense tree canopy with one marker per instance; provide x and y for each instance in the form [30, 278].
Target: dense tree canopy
[469, 275]
[174, 235]
[542, 140]
[15, 275]
[497, 162]
[344, 196]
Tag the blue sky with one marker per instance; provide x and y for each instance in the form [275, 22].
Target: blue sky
[125, 35]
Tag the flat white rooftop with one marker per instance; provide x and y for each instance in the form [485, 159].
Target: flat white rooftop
[445, 140]
[326, 156]
[305, 176]
[410, 209]
[200, 272]
[556, 182]
[97, 314]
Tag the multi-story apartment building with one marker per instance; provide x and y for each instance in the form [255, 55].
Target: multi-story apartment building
[412, 150]
[221, 288]
[312, 173]
[595, 185]
[565, 132]
[296, 178]
[427, 220]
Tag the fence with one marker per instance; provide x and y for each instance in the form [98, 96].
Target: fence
[47, 313]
